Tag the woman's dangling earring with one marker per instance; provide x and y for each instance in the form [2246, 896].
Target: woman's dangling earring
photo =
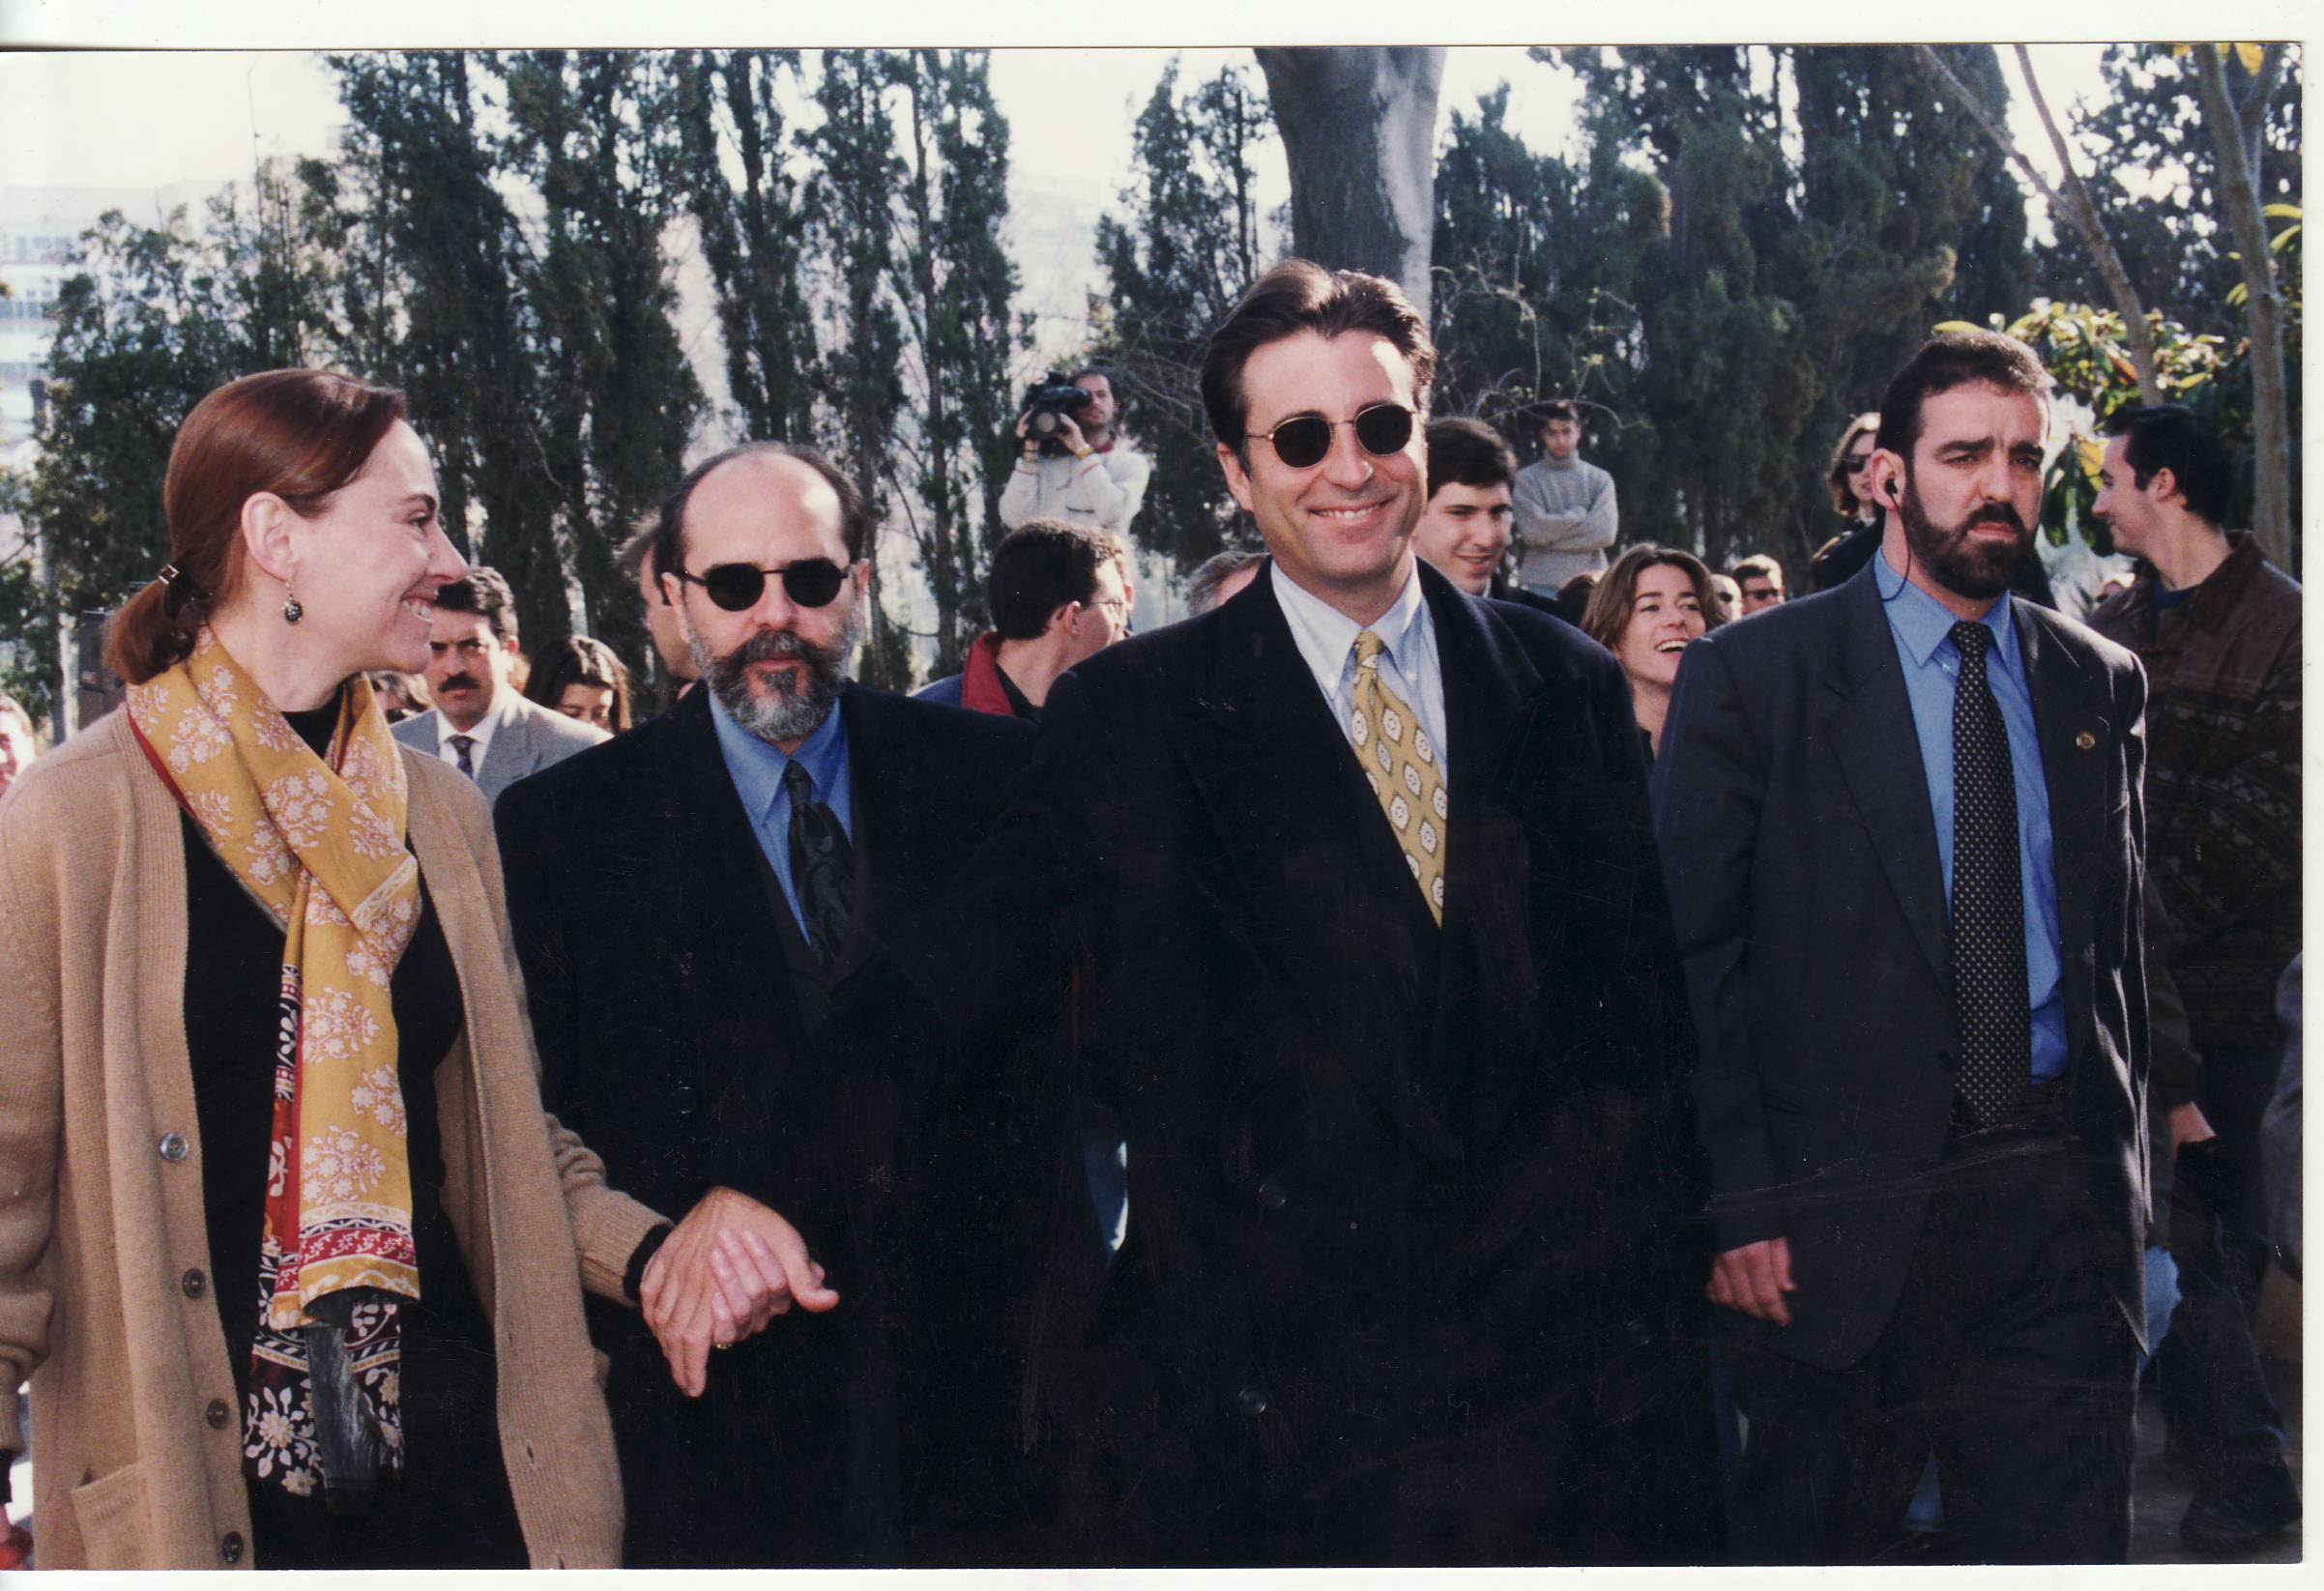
[292, 612]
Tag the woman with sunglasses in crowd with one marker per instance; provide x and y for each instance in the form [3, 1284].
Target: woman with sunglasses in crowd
[288, 1248]
[1654, 604]
[1847, 478]
[582, 679]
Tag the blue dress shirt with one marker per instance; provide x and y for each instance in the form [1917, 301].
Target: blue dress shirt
[757, 770]
[1922, 627]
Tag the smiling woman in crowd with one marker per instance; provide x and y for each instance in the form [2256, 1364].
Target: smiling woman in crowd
[1647, 610]
[287, 1245]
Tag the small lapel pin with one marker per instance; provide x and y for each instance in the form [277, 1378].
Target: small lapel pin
[2086, 742]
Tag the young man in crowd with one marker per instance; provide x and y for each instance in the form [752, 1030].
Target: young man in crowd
[1566, 512]
[1465, 530]
[2218, 628]
[1059, 595]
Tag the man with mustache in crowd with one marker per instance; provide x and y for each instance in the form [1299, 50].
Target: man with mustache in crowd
[481, 723]
[684, 901]
[1902, 830]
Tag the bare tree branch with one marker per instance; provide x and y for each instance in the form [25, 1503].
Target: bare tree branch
[2074, 206]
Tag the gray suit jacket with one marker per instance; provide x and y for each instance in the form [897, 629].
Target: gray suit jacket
[532, 739]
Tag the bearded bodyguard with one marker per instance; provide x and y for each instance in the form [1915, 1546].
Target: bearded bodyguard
[684, 899]
[1903, 830]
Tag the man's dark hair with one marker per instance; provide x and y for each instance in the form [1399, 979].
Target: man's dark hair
[1950, 359]
[1558, 409]
[669, 527]
[1761, 565]
[1040, 566]
[1214, 572]
[1300, 296]
[2167, 436]
[1467, 452]
[484, 592]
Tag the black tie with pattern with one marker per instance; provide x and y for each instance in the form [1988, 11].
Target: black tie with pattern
[460, 745]
[823, 866]
[1988, 896]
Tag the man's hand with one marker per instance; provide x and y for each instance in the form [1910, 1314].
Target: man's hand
[727, 1269]
[1069, 434]
[1754, 1279]
[2188, 1125]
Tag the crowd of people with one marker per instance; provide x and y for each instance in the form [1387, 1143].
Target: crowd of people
[1483, 1046]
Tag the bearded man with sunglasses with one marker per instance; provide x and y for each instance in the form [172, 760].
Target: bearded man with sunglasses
[1352, 883]
[684, 903]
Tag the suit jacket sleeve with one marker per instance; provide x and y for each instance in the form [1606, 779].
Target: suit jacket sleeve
[1709, 786]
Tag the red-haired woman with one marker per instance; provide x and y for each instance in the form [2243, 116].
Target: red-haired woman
[288, 1247]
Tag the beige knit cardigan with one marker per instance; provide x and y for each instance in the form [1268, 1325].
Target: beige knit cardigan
[104, 1296]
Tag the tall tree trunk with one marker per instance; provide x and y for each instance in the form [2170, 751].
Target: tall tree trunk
[2235, 129]
[1359, 130]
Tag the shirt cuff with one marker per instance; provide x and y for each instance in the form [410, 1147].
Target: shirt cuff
[634, 1275]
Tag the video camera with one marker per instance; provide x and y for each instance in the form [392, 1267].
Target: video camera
[1046, 403]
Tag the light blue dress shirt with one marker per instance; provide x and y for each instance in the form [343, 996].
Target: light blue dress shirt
[1408, 664]
[1923, 628]
[757, 770]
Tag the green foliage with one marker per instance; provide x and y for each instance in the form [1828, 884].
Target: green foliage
[1185, 245]
[618, 399]
[953, 284]
[155, 318]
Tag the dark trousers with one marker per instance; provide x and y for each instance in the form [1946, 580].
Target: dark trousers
[2007, 1357]
[2214, 1393]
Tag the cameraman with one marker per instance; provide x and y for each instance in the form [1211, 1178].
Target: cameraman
[1098, 481]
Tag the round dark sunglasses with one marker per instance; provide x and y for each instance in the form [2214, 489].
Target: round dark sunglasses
[1303, 439]
[809, 583]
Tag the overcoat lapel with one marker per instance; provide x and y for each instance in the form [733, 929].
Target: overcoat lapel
[1325, 896]
[2071, 723]
[1880, 755]
[729, 970]
[1487, 960]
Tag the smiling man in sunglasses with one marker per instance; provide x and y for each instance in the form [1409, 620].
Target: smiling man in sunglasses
[1353, 882]
[684, 904]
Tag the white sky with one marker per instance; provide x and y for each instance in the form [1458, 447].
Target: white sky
[151, 119]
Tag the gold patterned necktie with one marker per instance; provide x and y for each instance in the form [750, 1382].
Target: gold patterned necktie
[1404, 771]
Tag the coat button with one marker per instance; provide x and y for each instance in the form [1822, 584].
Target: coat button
[192, 1284]
[1251, 1400]
[217, 1413]
[229, 1547]
[2086, 742]
[1638, 1331]
[174, 1147]
[1944, 1059]
[1271, 1195]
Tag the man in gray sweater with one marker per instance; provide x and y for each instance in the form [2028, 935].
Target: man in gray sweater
[1565, 507]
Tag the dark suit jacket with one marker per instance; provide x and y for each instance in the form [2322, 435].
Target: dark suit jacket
[1796, 829]
[671, 1034]
[1407, 1276]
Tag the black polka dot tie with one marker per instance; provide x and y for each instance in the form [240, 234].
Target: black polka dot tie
[1988, 896]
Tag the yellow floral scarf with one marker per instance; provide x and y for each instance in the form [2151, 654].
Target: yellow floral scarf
[319, 841]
